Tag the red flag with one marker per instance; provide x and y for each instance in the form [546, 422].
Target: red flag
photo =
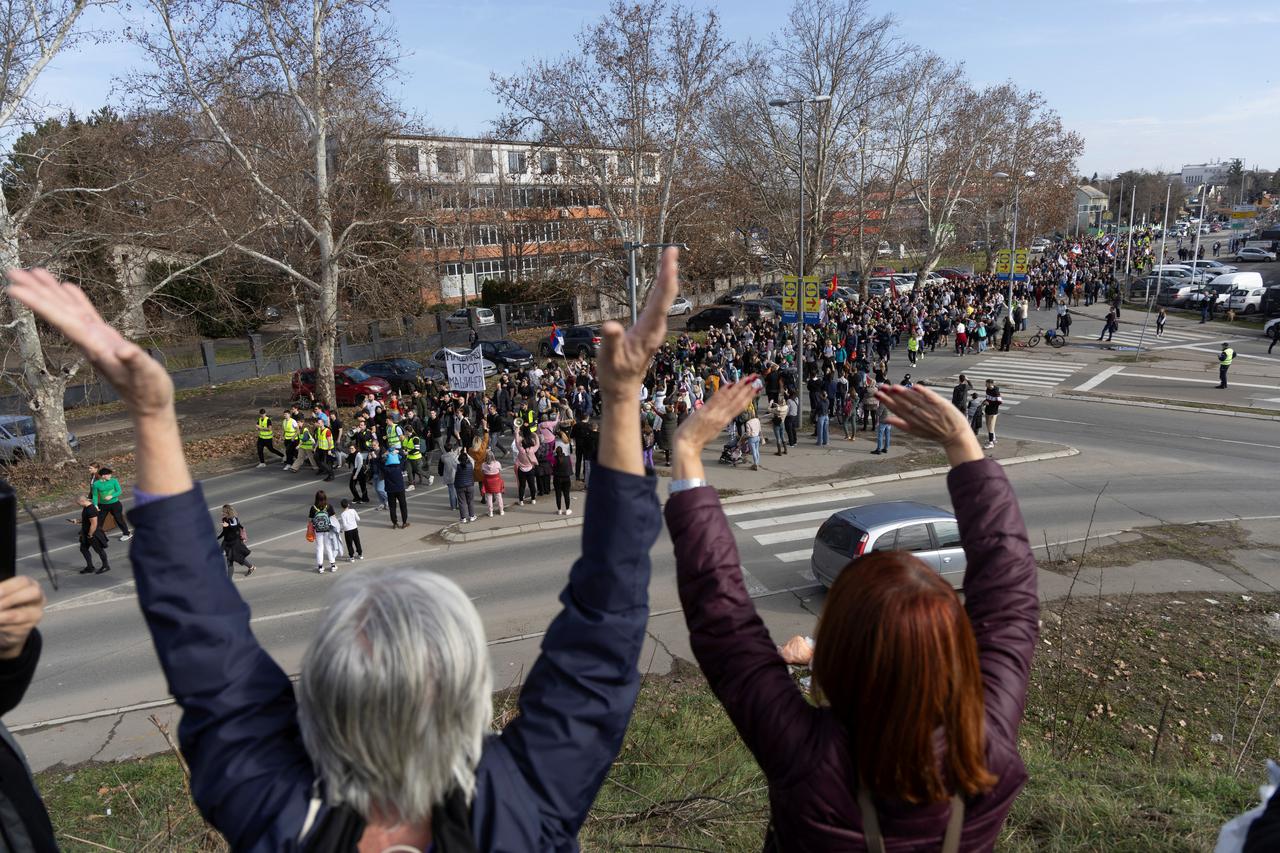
[831, 291]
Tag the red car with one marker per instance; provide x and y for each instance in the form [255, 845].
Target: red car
[954, 274]
[880, 272]
[351, 383]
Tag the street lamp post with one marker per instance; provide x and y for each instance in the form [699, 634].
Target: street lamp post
[800, 102]
[1013, 245]
[631, 248]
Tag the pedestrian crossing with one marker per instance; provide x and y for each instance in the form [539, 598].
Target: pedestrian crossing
[777, 545]
[1016, 374]
[1132, 335]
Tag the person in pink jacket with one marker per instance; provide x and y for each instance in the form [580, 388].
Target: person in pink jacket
[527, 464]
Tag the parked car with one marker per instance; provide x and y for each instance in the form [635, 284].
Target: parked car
[1171, 295]
[440, 359]
[506, 354]
[680, 307]
[955, 274]
[757, 309]
[882, 271]
[578, 340]
[883, 249]
[1271, 301]
[775, 302]
[927, 532]
[741, 294]
[716, 315]
[1219, 293]
[461, 318]
[906, 281]
[351, 384]
[1211, 266]
[1244, 291]
[18, 438]
[1252, 253]
[400, 373]
[1269, 325]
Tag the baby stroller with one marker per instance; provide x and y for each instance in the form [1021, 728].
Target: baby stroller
[732, 453]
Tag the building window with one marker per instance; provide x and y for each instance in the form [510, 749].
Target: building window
[484, 197]
[446, 160]
[407, 159]
[522, 197]
[482, 161]
[547, 163]
[517, 162]
[549, 197]
[625, 169]
[486, 235]
[650, 165]
[550, 232]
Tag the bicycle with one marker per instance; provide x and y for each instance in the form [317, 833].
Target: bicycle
[1053, 337]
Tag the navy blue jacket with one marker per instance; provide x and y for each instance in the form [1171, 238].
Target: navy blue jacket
[252, 778]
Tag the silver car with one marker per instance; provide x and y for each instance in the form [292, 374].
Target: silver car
[928, 532]
[18, 438]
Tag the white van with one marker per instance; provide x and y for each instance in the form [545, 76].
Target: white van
[1247, 289]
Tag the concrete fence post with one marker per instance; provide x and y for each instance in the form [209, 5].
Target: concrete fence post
[210, 357]
[344, 348]
[255, 351]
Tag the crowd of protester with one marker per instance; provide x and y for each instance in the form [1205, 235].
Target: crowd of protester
[385, 742]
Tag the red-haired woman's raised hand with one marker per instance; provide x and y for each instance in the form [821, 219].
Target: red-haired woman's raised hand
[923, 413]
[706, 423]
[142, 383]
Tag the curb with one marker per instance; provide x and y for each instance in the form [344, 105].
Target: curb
[452, 535]
[1142, 404]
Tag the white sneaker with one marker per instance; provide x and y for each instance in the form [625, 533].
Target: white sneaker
[463, 520]
[284, 467]
[491, 513]
[502, 512]
[533, 503]
[472, 518]
[568, 512]
[334, 568]
[126, 537]
[410, 488]
[359, 556]
[320, 569]
[261, 465]
[990, 444]
[431, 479]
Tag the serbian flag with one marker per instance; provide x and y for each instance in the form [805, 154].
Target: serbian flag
[556, 340]
[1076, 249]
[831, 289]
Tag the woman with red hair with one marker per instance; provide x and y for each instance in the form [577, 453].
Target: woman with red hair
[914, 743]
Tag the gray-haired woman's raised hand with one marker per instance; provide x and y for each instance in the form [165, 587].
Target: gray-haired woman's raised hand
[921, 412]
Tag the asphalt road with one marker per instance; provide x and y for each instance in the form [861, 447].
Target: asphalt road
[1155, 465]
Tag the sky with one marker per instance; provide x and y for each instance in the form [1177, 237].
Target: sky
[1149, 84]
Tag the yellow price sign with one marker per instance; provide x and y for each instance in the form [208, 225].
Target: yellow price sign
[790, 294]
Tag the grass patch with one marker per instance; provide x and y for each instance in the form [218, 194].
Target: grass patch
[1148, 719]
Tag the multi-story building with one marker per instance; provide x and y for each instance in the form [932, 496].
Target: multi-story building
[1091, 207]
[1206, 174]
[511, 210]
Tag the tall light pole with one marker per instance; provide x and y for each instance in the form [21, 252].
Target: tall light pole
[631, 248]
[800, 102]
[1013, 243]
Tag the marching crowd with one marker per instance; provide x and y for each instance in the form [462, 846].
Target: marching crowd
[386, 741]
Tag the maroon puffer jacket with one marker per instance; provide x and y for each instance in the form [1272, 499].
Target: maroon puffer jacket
[803, 750]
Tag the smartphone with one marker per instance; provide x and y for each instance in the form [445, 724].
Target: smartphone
[8, 530]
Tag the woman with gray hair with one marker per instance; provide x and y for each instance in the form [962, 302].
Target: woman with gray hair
[385, 744]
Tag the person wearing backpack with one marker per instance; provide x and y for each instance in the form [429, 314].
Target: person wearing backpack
[320, 523]
[235, 542]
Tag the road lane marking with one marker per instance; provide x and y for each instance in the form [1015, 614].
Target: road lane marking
[786, 536]
[1230, 441]
[1055, 420]
[1100, 378]
[779, 520]
[807, 499]
[754, 587]
[272, 617]
[795, 556]
[1233, 384]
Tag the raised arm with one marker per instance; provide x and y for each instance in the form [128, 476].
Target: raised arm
[1000, 571]
[239, 731]
[577, 700]
[729, 640]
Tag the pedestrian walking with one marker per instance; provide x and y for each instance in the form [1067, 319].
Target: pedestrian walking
[324, 449]
[822, 418]
[1225, 358]
[960, 393]
[991, 408]
[106, 497]
[289, 431]
[413, 459]
[93, 539]
[884, 430]
[358, 482]
[235, 542]
[266, 439]
[1161, 319]
[752, 432]
[1275, 336]
[306, 446]
[349, 521]
[793, 418]
[492, 484]
[1108, 326]
[562, 479]
[447, 469]
[464, 481]
[321, 527]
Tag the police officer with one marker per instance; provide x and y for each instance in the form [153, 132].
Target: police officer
[324, 450]
[289, 429]
[265, 439]
[1225, 358]
[412, 443]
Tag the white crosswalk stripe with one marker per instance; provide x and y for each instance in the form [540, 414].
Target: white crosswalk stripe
[1131, 337]
[786, 536]
[1014, 374]
[795, 556]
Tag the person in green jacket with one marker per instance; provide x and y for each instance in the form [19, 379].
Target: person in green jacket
[106, 497]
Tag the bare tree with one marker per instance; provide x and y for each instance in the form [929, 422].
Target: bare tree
[832, 48]
[625, 106]
[289, 92]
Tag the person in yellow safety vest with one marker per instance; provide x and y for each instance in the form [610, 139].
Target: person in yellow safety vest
[289, 429]
[394, 435]
[913, 348]
[306, 447]
[265, 439]
[413, 455]
[1225, 358]
[324, 451]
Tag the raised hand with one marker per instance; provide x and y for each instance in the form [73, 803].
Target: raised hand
[704, 425]
[21, 606]
[923, 413]
[624, 356]
[142, 383]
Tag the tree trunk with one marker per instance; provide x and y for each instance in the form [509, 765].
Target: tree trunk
[44, 389]
[327, 299]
